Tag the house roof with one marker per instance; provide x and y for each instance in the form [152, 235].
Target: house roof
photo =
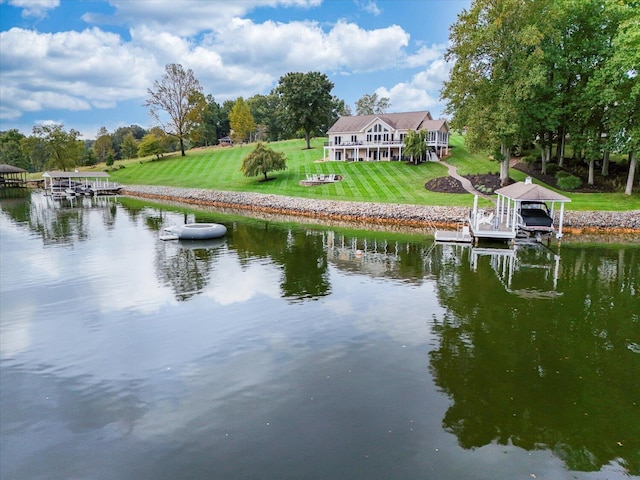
[523, 191]
[440, 124]
[398, 121]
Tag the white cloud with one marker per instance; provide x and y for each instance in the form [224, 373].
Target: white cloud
[304, 46]
[424, 55]
[35, 8]
[369, 6]
[421, 92]
[70, 70]
[186, 17]
[232, 282]
[230, 55]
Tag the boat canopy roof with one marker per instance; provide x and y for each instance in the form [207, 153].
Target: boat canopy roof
[527, 191]
[60, 174]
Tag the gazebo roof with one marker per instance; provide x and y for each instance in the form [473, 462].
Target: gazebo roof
[4, 168]
[526, 191]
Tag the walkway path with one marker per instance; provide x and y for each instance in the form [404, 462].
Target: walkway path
[466, 184]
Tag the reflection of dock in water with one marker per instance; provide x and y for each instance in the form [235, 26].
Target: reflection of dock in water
[529, 271]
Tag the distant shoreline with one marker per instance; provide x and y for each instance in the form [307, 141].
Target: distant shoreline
[415, 216]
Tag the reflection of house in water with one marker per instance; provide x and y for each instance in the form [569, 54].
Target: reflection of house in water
[355, 254]
[529, 271]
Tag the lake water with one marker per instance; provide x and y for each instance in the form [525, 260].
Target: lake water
[296, 352]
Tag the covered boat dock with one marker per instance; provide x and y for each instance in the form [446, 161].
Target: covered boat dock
[506, 222]
[58, 183]
[12, 176]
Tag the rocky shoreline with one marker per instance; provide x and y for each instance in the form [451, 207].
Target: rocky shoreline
[420, 216]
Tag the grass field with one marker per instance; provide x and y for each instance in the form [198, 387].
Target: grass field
[218, 168]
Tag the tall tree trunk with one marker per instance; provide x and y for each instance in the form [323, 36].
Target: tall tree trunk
[307, 137]
[504, 164]
[182, 146]
[591, 169]
[560, 149]
[633, 162]
[545, 147]
[605, 164]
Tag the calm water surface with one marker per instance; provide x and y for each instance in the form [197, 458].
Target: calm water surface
[295, 353]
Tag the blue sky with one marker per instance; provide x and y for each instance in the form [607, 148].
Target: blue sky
[88, 63]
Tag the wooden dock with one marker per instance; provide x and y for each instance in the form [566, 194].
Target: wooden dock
[461, 235]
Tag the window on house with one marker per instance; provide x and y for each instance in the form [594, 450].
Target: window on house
[354, 138]
[338, 140]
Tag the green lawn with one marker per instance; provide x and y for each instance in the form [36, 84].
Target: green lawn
[384, 182]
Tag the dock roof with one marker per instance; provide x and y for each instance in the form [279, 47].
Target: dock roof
[60, 174]
[4, 168]
[527, 191]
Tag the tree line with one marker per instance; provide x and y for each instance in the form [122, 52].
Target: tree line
[300, 106]
[548, 72]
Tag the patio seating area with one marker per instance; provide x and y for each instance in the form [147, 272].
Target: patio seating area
[320, 179]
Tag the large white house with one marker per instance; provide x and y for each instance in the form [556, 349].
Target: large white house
[380, 137]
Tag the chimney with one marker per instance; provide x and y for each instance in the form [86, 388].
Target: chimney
[527, 181]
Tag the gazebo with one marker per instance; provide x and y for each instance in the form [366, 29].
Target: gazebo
[511, 197]
[11, 176]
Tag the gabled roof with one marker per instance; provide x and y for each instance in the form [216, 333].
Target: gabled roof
[522, 191]
[398, 121]
[433, 125]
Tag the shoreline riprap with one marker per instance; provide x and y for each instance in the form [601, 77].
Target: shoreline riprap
[374, 213]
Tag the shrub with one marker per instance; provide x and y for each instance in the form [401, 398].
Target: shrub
[569, 182]
[529, 159]
[552, 168]
[562, 173]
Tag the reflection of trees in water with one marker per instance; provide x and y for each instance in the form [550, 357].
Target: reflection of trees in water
[556, 373]
[184, 267]
[300, 253]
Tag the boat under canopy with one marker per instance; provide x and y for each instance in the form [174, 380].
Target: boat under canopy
[522, 206]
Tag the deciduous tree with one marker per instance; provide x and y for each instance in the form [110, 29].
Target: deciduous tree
[264, 109]
[305, 101]
[64, 150]
[415, 145]
[174, 95]
[241, 121]
[372, 105]
[262, 160]
[129, 146]
[103, 146]
[10, 151]
[496, 49]
[616, 86]
[152, 144]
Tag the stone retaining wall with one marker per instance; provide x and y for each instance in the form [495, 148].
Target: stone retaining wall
[375, 213]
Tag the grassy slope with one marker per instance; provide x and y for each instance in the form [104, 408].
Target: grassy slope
[385, 182]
